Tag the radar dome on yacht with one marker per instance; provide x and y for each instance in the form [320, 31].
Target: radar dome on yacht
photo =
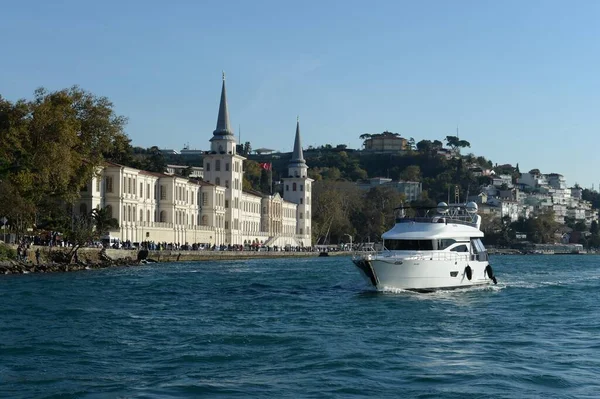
[442, 207]
[472, 207]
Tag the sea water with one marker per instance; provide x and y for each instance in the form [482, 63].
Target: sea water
[309, 327]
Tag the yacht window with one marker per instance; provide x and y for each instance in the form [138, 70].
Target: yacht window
[445, 243]
[478, 245]
[460, 248]
[409, 245]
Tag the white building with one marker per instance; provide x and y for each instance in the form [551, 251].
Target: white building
[174, 209]
[411, 189]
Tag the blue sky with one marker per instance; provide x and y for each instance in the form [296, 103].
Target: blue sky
[519, 78]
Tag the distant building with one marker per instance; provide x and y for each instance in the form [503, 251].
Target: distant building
[386, 142]
[411, 189]
[196, 172]
[165, 207]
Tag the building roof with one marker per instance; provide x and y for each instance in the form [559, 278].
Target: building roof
[297, 155]
[223, 127]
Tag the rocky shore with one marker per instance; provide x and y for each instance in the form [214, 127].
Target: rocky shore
[93, 258]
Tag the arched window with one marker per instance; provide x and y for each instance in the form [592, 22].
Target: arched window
[204, 220]
[163, 216]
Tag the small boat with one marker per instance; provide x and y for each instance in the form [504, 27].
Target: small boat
[428, 249]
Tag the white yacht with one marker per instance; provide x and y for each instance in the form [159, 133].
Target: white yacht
[430, 249]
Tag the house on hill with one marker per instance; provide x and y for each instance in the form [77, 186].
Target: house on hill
[385, 142]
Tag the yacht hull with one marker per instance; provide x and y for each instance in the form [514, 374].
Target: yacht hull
[421, 275]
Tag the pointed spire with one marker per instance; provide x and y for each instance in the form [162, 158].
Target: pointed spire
[223, 127]
[297, 155]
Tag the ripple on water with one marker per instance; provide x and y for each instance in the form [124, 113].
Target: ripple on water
[300, 328]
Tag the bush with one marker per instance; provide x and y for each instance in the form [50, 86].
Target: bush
[7, 252]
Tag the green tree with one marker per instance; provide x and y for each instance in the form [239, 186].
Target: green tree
[455, 143]
[103, 222]
[155, 162]
[411, 173]
[252, 175]
[52, 145]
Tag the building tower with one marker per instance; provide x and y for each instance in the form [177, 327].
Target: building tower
[297, 189]
[223, 167]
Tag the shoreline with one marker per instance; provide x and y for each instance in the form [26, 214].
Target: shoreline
[90, 259]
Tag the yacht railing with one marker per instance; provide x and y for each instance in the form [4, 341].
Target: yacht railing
[468, 221]
[438, 255]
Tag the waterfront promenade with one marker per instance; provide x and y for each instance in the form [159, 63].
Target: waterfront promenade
[91, 258]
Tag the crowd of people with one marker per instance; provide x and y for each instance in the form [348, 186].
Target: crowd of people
[160, 246]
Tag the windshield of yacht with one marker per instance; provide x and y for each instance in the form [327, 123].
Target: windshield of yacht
[408, 245]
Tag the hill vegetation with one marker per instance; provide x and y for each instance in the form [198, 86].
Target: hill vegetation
[52, 145]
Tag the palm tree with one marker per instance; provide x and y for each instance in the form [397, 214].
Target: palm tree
[103, 222]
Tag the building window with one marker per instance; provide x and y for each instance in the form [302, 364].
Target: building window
[98, 184]
[227, 183]
[163, 216]
[218, 165]
[204, 220]
[301, 187]
[148, 216]
[300, 230]
[148, 193]
[142, 190]
[301, 201]
[141, 215]
[294, 187]
[163, 192]
[226, 166]
[226, 203]
[226, 225]
[208, 166]
[287, 187]
[204, 199]
[300, 215]
[109, 184]
[218, 181]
